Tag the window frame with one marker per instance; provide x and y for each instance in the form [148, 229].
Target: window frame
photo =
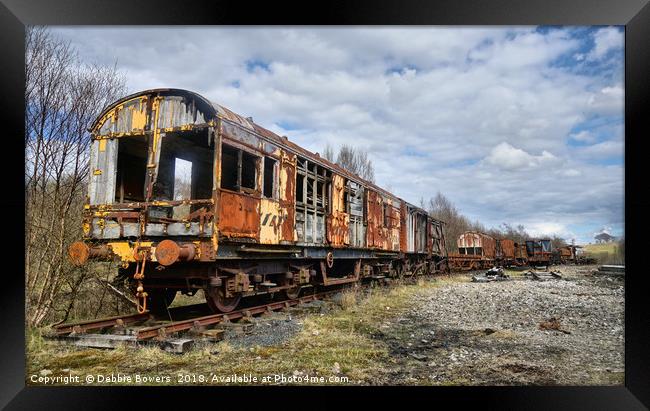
[239, 164]
[274, 179]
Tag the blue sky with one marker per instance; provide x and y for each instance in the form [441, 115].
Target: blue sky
[522, 125]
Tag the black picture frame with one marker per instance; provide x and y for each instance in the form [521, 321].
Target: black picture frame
[633, 14]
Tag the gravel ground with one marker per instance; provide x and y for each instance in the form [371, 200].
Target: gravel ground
[519, 332]
[277, 328]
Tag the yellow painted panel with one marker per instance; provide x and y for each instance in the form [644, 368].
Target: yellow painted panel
[270, 222]
[139, 115]
[125, 251]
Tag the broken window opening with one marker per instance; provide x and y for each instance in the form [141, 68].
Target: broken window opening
[238, 170]
[269, 177]
[354, 206]
[185, 172]
[131, 169]
[182, 186]
[229, 159]
[313, 189]
[248, 171]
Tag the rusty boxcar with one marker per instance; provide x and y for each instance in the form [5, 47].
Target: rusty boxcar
[476, 250]
[538, 252]
[189, 196]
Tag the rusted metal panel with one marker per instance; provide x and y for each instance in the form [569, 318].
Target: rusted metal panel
[337, 226]
[288, 195]
[337, 222]
[475, 243]
[391, 224]
[507, 248]
[403, 213]
[374, 234]
[239, 215]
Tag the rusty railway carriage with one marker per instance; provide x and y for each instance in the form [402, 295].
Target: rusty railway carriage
[189, 195]
[539, 252]
[475, 251]
[478, 250]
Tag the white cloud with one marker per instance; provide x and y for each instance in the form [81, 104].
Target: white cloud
[549, 229]
[609, 100]
[605, 39]
[508, 157]
[572, 172]
[583, 136]
[605, 149]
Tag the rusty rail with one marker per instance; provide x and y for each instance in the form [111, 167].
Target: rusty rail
[98, 324]
[174, 327]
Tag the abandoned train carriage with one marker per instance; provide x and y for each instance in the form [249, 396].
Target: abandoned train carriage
[478, 250]
[189, 195]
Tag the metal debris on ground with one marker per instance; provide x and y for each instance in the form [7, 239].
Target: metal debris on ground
[543, 276]
[493, 274]
[611, 270]
[552, 324]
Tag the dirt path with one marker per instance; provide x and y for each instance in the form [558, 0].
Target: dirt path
[564, 332]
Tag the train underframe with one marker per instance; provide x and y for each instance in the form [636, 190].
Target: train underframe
[225, 282]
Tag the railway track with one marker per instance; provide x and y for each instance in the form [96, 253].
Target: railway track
[144, 328]
[135, 329]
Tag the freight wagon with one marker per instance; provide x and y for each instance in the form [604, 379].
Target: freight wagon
[475, 251]
[538, 252]
[188, 195]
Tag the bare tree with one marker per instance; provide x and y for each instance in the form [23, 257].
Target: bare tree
[328, 153]
[557, 242]
[354, 160]
[63, 95]
[518, 234]
[441, 208]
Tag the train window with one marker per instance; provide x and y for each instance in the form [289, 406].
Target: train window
[229, 168]
[269, 177]
[182, 187]
[238, 169]
[299, 188]
[248, 171]
[313, 184]
[131, 169]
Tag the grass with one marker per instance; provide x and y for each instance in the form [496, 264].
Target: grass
[337, 343]
[605, 253]
[609, 248]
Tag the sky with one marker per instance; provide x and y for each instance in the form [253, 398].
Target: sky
[517, 125]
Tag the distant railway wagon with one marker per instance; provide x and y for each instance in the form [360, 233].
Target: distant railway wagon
[567, 254]
[479, 250]
[189, 196]
[539, 252]
[475, 251]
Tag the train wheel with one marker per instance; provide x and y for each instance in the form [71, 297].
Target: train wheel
[158, 299]
[217, 301]
[293, 293]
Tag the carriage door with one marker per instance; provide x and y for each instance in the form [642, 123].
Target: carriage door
[288, 197]
[338, 219]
